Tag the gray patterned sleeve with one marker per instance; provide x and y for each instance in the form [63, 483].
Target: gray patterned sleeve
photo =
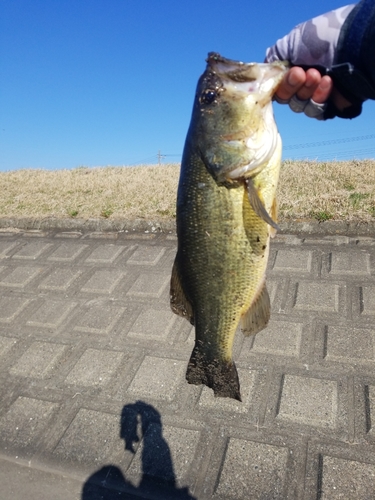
[311, 44]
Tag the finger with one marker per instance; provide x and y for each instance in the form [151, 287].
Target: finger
[291, 83]
[313, 79]
[323, 91]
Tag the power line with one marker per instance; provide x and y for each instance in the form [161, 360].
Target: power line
[320, 156]
[346, 155]
[156, 158]
[146, 159]
[331, 141]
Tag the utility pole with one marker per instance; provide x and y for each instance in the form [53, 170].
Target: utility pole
[160, 156]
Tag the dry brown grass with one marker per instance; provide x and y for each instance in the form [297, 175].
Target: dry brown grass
[332, 190]
[115, 192]
[340, 190]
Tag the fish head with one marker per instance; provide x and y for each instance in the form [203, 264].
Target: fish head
[233, 123]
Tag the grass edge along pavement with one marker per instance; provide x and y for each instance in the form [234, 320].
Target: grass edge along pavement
[308, 227]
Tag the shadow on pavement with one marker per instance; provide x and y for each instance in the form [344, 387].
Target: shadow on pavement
[158, 477]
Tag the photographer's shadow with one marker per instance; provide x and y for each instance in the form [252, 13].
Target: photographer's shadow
[158, 477]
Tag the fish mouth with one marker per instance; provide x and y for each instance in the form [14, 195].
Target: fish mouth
[233, 70]
[249, 77]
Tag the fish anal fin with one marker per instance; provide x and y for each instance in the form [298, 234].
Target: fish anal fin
[257, 204]
[178, 301]
[220, 376]
[258, 314]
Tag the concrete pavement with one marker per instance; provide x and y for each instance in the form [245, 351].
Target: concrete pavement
[93, 399]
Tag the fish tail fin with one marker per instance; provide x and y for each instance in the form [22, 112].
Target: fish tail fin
[258, 315]
[221, 376]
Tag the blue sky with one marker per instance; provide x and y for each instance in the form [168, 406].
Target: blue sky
[111, 82]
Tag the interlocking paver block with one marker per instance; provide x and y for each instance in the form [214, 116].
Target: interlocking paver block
[25, 420]
[164, 452]
[357, 264]
[309, 401]
[32, 250]
[5, 344]
[60, 279]
[208, 400]
[51, 313]
[10, 307]
[158, 378]
[368, 300]
[103, 281]
[293, 260]
[67, 252]
[5, 247]
[149, 285]
[40, 359]
[99, 319]
[350, 344]
[153, 324]
[21, 276]
[76, 348]
[317, 297]
[280, 337]
[253, 470]
[105, 254]
[347, 479]
[92, 437]
[95, 368]
[146, 256]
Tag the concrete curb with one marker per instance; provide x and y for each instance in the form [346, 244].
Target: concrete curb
[311, 227]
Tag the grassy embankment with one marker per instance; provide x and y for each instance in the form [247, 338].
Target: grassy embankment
[342, 190]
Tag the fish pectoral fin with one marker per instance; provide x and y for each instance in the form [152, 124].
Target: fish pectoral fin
[179, 303]
[257, 204]
[274, 217]
[258, 315]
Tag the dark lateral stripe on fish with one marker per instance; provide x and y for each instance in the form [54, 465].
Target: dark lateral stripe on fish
[257, 205]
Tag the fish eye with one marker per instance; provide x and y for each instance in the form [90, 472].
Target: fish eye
[208, 96]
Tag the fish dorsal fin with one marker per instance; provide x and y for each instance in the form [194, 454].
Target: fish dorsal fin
[179, 303]
[257, 204]
[258, 314]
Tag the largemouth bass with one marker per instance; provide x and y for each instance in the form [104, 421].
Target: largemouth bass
[226, 213]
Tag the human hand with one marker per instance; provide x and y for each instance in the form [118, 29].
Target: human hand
[305, 85]
[312, 43]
